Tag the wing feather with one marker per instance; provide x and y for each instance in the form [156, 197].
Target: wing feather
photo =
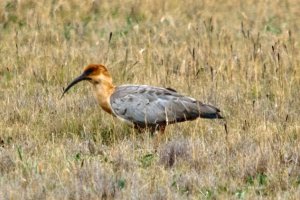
[149, 106]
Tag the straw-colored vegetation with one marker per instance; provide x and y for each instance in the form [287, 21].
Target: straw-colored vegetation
[242, 56]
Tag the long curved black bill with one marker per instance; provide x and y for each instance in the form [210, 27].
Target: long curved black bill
[82, 77]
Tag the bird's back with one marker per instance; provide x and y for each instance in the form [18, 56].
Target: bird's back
[148, 106]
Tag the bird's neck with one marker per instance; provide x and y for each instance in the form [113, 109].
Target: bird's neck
[103, 91]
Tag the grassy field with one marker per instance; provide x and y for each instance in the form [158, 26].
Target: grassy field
[242, 56]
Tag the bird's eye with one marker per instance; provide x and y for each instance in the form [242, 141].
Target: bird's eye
[89, 71]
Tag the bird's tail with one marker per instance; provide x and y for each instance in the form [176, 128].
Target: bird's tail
[209, 112]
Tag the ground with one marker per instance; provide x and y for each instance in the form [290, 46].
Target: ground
[241, 56]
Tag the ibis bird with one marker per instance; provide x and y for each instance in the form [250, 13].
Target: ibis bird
[143, 106]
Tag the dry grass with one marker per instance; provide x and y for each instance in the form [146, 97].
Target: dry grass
[241, 56]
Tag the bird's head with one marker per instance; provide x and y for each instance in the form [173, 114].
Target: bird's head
[94, 73]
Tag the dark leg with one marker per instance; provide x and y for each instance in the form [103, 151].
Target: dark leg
[160, 130]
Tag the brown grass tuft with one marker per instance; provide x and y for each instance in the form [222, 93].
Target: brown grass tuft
[173, 151]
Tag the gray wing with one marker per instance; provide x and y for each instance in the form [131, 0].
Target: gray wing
[149, 106]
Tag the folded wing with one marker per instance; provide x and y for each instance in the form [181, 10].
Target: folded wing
[150, 106]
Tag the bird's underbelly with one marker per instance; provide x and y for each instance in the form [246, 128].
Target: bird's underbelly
[133, 123]
[125, 120]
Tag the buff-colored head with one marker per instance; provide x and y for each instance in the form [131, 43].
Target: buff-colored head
[94, 73]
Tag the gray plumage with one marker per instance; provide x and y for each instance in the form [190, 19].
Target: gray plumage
[148, 106]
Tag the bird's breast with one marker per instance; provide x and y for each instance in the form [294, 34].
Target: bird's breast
[105, 105]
